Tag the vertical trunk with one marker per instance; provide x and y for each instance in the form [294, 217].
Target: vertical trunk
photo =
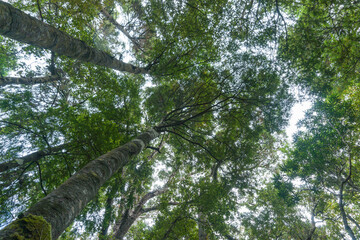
[24, 28]
[107, 218]
[129, 217]
[343, 213]
[125, 224]
[27, 80]
[201, 225]
[313, 225]
[313, 228]
[61, 206]
[35, 156]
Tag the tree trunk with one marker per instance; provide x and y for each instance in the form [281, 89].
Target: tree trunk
[123, 226]
[343, 213]
[201, 225]
[61, 206]
[32, 157]
[107, 218]
[24, 28]
[27, 80]
[108, 215]
[313, 224]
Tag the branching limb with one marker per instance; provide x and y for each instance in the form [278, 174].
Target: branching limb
[121, 28]
[40, 178]
[282, 17]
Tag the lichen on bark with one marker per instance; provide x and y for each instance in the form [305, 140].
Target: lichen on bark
[30, 227]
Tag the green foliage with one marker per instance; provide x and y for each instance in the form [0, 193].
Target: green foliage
[220, 75]
[323, 44]
[8, 57]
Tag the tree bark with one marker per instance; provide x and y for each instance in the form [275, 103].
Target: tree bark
[61, 206]
[27, 80]
[343, 213]
[19, 26]
[32, 157]
[129, 217]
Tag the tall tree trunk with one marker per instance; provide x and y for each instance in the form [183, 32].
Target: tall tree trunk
[313, 224]
[201, 226]
[107, 218]
[24, 28]
[343, 213]
[32, 157]
[129, 217]
[108, 215]
[27, 80]
[124, 224]
[61, 206]
[313, 227]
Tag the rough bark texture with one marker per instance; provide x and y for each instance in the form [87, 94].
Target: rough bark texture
[27, 80]
[61, 206]
[35, 156]
[24, 28]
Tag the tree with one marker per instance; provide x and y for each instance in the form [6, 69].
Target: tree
[322, 45]
[324, 159]
[25, 80]
[22, 27]
[219, 104]
[58, 208]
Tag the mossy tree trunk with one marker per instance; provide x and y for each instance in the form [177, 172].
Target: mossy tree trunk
[18, 25]
[61, 206]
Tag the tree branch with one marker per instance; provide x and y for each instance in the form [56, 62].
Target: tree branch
[107, 15]
[40, 177]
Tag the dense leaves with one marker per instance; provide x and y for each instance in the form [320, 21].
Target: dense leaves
[218, 89]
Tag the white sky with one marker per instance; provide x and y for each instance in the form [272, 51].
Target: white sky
[297, 113]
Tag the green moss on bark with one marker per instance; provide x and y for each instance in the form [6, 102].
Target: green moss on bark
[31, 227]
